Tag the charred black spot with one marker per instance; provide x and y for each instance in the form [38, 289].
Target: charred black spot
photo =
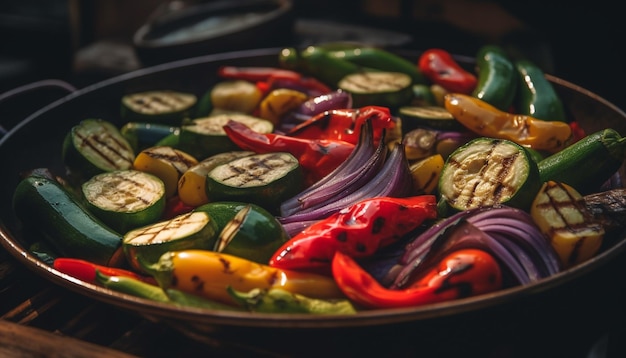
[342, 237]
[378, 225]
[198, 284]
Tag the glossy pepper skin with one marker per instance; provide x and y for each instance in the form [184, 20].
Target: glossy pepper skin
[497, 77]
[358, 231]
[317, 157]
[87, 271]
[208, 274]
[463, 273]
[269, 78]
[441, 68]
[486, 120]
[536, 95]
[345, 124]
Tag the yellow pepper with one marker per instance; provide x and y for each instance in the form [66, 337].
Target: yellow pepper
[426, 173]
[279, 102]
[559, 212]
[488, 121]
[209, 274]
[166, 163]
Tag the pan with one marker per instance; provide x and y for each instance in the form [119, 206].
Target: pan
[36, 142]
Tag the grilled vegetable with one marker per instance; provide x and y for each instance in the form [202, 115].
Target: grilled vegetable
[235, 96]
[95, 146]
[87, 271]
[204, 137]
[486, 120]
[166, 107]
[486, 172]
[253, 233]
[317, 62]
[277, 300]
[560, 213]
[192, 184]
[441, 68]
[536, 96]
[276, 104]
[44, 205]
[497, 77]
[426, 173]
[209, 274]
[386, 89]
[131, 286]
[141, 135]
[263, 179]
[608, 208]
[194, 230]
[166, 163]
[588, 163]
[125, 199]
[434, 117]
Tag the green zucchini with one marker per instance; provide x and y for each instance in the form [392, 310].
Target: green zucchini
[263, 179]
[434, 117]
[377, 58]
[588, 163]
[497, 77]
[536, 96]
[165, 107]
[142, 135]
[44, 205]
[95, 146]
[144, 245]
[253, 233]
[204, 137]
[125, 199]
[488, 171]
[387, 89]
[422, 96]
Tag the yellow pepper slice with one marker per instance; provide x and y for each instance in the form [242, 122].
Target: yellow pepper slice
[209, 274]
[488, 121]
[559, 212]
[165, 162]
[425, 173]
[279, 102]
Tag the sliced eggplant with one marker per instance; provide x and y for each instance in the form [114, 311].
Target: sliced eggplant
[125, 199]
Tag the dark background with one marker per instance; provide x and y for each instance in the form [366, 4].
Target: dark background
[85, 41]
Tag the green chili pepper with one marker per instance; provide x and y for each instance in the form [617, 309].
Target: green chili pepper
[318, 63]
[276, 300]
[185, 299]
[496, 77]
[537, 97]
[132, 287]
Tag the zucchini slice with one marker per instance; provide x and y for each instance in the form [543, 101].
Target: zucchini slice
[95, 146]
[125, 199]
[488, 171]
[204, 137]
[192, 184]
[253, 233]
[166, 107]
[263, 179]
[387, 89]
[167, 163]
[434, 117]
[194, 230]
[142, 135]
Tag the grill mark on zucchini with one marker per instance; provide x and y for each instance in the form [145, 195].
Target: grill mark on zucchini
[177, 160]
[102, 142]
[157, 104]
[152, 233]
[125, 178]
[243, 176]
[499, 190]
[560, 205]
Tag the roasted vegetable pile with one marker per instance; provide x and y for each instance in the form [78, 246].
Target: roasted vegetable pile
[346, 178]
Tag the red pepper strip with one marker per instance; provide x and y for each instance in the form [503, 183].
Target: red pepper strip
[358, 231]
[344, 124]
[317, 157]
[256, 74]
[441, 68]
[175, 207]
[577, 132]
[309, 85]
[463, 273]
[86, 271]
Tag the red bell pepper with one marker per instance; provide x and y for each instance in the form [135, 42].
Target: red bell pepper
[358, 231]
[463, 273]
[175, 207]
[441, 68]
[317, 157]
[86, 270]
[345, 124]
